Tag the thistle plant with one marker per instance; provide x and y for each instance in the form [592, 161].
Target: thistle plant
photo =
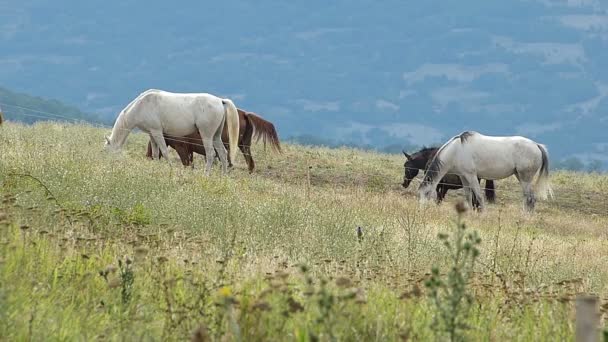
[127, 278]
[448, 292]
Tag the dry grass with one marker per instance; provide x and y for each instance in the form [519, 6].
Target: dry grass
[244, 235]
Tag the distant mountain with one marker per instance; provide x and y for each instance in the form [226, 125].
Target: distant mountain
[29, 109]
[390, 73]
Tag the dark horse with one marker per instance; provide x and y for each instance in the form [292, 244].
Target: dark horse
[418, 161]
[251, 127]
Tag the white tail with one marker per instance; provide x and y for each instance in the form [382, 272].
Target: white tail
[543, 187]
[232, 120]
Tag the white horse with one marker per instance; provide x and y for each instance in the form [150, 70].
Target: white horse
[156, 112]
[471, 155]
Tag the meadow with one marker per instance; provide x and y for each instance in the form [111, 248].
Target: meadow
[100, 246]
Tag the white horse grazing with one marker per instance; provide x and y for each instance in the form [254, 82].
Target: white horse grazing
[156, 112]
[471, 155]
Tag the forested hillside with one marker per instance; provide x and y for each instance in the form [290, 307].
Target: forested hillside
[29, 109]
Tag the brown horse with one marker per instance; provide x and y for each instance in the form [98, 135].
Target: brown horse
[252, 127]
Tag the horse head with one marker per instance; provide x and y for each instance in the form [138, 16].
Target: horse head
[410, 170]
[426, 192]
[108, 146]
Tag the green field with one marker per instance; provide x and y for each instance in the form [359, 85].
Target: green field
[99, 246]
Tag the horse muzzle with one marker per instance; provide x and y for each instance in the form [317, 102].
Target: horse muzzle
[426, 194]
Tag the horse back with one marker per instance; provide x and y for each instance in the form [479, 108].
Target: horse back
[177, 114]
[499, 157]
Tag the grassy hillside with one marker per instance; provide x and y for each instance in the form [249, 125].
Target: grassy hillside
[101, 246]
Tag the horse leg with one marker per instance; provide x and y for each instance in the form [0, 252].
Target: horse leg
[526, 186]
[474, 190]
[530, 198]
[490, 191]
[217, 154]
[153, 149]
[221, 151]
[439, 189]
[468, 195]
[227, 147]
[442, 189]
[246, 149]
[209, 153]
[159, 139]
[475, 202]
[245, 145]
[182, 151]
[149, 151]
[209, 137]
[478, 201]
[157, 151]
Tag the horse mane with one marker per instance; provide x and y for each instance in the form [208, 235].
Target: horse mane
[264, 130]
[434, 168]
[121, 120]
[137, 99]
[464, 136]
[425, 151]
[435, 165]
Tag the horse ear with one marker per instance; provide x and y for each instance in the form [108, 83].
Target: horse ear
[407, 155]
[107, 139]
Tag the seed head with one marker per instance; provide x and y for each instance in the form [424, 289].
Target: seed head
[262, 306]
[343, 282]
[201, 334]
[460, 207]
[294, 306]
[141, 251]
[162, 259]
[110, 269]
[114, 283]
